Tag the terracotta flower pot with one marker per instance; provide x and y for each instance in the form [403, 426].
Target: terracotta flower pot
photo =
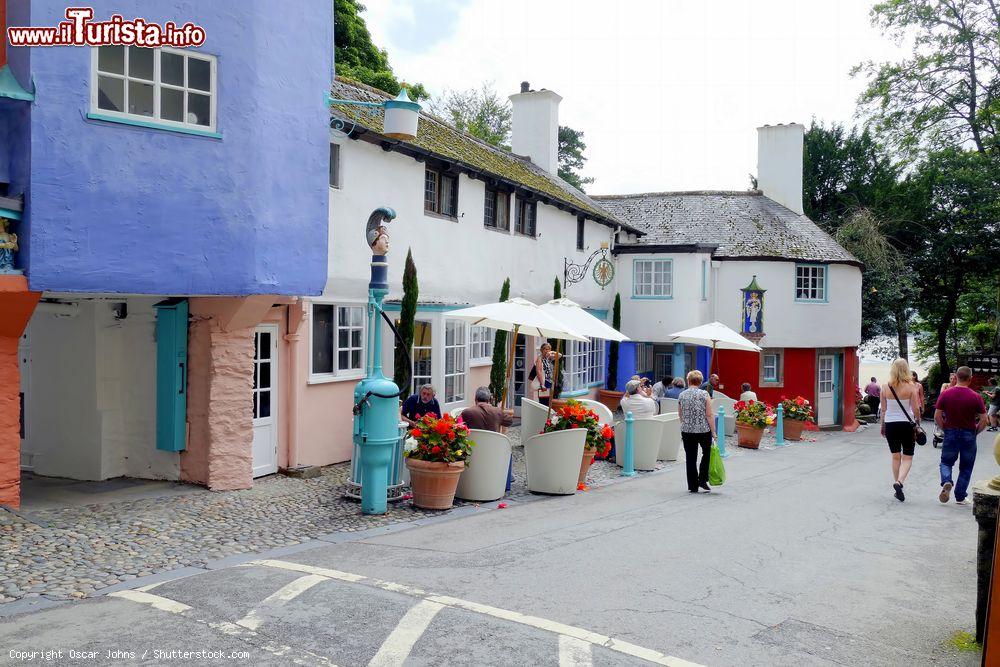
[749, 436]
[433, 483]
[585, 463]
[611, 399]
[793, 429]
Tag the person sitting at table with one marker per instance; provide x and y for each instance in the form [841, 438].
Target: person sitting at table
[634, 401]
[484, 415]
[420, 404]
[676, 388]
[748, 393]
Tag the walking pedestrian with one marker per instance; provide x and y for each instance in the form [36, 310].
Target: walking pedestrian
[961, 414]
[993, 415]
[873, 392]
[951, 383]
[711, 384]
[921, 399]
[900, 410]
[694, 407]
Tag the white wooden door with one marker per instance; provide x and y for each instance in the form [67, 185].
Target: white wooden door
[825, 402]
[265, 400]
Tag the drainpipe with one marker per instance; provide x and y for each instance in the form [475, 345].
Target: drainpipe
[294, 316]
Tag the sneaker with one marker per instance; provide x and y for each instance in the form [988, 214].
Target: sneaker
[705, 486]
[945, 492]
[898, 489]
[963, 501]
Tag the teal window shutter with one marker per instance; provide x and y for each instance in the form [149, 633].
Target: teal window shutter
[171, 374]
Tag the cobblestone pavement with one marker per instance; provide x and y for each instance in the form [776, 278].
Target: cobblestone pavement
[74, 552]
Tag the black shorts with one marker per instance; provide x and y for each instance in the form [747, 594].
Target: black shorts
[899, 435]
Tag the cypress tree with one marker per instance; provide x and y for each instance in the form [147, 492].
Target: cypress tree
[557, 290]
[498, 374]
[616, 322]
[407, 314]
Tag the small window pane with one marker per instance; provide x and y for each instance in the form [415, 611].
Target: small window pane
[140, 63]
[140, 98]
[172, 104]
[430, 191]
[343, 359]
[265, 404]
[111, 59]
[322, 341]
[199, 109]
[265, 375]
[356, 338]
[110, 93]
[199, 74]
[172, 68]
[355, 359]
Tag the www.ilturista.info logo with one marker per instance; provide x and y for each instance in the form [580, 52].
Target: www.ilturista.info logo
[81, 30]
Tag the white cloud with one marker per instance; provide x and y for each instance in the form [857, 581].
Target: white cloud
[668, 93]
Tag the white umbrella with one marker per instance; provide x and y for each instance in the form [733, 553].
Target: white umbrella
[716, 334]
[520, 316]
[571, 313]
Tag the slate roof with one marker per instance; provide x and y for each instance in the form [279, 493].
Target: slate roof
[439, 139]
[739, 225]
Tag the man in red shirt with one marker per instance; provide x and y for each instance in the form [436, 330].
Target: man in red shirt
[960, 412]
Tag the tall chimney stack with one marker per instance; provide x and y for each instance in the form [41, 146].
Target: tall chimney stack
[779, 164]
[534, 126]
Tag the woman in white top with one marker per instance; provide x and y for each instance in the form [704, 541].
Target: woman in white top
[748, 393]
[900, 410]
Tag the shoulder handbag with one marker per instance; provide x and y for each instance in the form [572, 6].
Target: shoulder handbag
[918, 433]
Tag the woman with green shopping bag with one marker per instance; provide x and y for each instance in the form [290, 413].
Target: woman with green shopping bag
[694, 406]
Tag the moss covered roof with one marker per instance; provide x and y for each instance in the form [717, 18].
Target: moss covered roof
[438, 138]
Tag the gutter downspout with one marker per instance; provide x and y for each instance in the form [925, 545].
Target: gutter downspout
[295, 315]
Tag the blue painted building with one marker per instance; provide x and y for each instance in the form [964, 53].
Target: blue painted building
[151, 176]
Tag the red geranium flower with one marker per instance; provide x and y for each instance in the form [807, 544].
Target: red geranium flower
[416, 433]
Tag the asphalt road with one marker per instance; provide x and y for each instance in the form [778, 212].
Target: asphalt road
[802, 558]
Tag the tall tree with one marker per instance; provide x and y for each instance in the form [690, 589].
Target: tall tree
[557, 290]
[357, 57]
[571, 158]
[945, 93]
[403, 371]
[498, 373]
[956, 194]
[480, 112]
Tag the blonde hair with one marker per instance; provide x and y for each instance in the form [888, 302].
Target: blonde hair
[899, 373]
[695, 378]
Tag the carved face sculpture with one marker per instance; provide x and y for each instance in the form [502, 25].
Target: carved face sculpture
[381, 244]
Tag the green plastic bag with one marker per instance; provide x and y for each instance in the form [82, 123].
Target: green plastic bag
[716, 471]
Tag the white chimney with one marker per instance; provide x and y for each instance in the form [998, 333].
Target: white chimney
[779, 164]
[534, 126]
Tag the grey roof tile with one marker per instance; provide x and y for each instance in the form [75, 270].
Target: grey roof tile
[741, 224]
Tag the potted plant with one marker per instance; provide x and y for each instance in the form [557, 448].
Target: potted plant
[575, 415]
[435, 456]
[752, 417]
[610, 397]
[797, 411]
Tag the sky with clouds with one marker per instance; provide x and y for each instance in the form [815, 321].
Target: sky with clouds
[667, 92]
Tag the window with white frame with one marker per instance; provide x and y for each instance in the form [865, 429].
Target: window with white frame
[770, 367]
[337, 339]
[652, 278]
[810, 282]
[421, 354]
[480, 344]
[643, 357]
[167, 86]
[584, 363]
[454, 360]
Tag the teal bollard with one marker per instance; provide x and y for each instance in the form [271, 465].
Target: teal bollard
[720, 432]
[628, 470]
[779, 428]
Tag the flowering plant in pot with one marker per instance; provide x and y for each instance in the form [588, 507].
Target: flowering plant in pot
[575, 415]
[752, 417]
[797, 411]
[435, 455]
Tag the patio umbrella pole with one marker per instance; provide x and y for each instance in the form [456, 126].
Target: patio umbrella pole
[510, 366]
